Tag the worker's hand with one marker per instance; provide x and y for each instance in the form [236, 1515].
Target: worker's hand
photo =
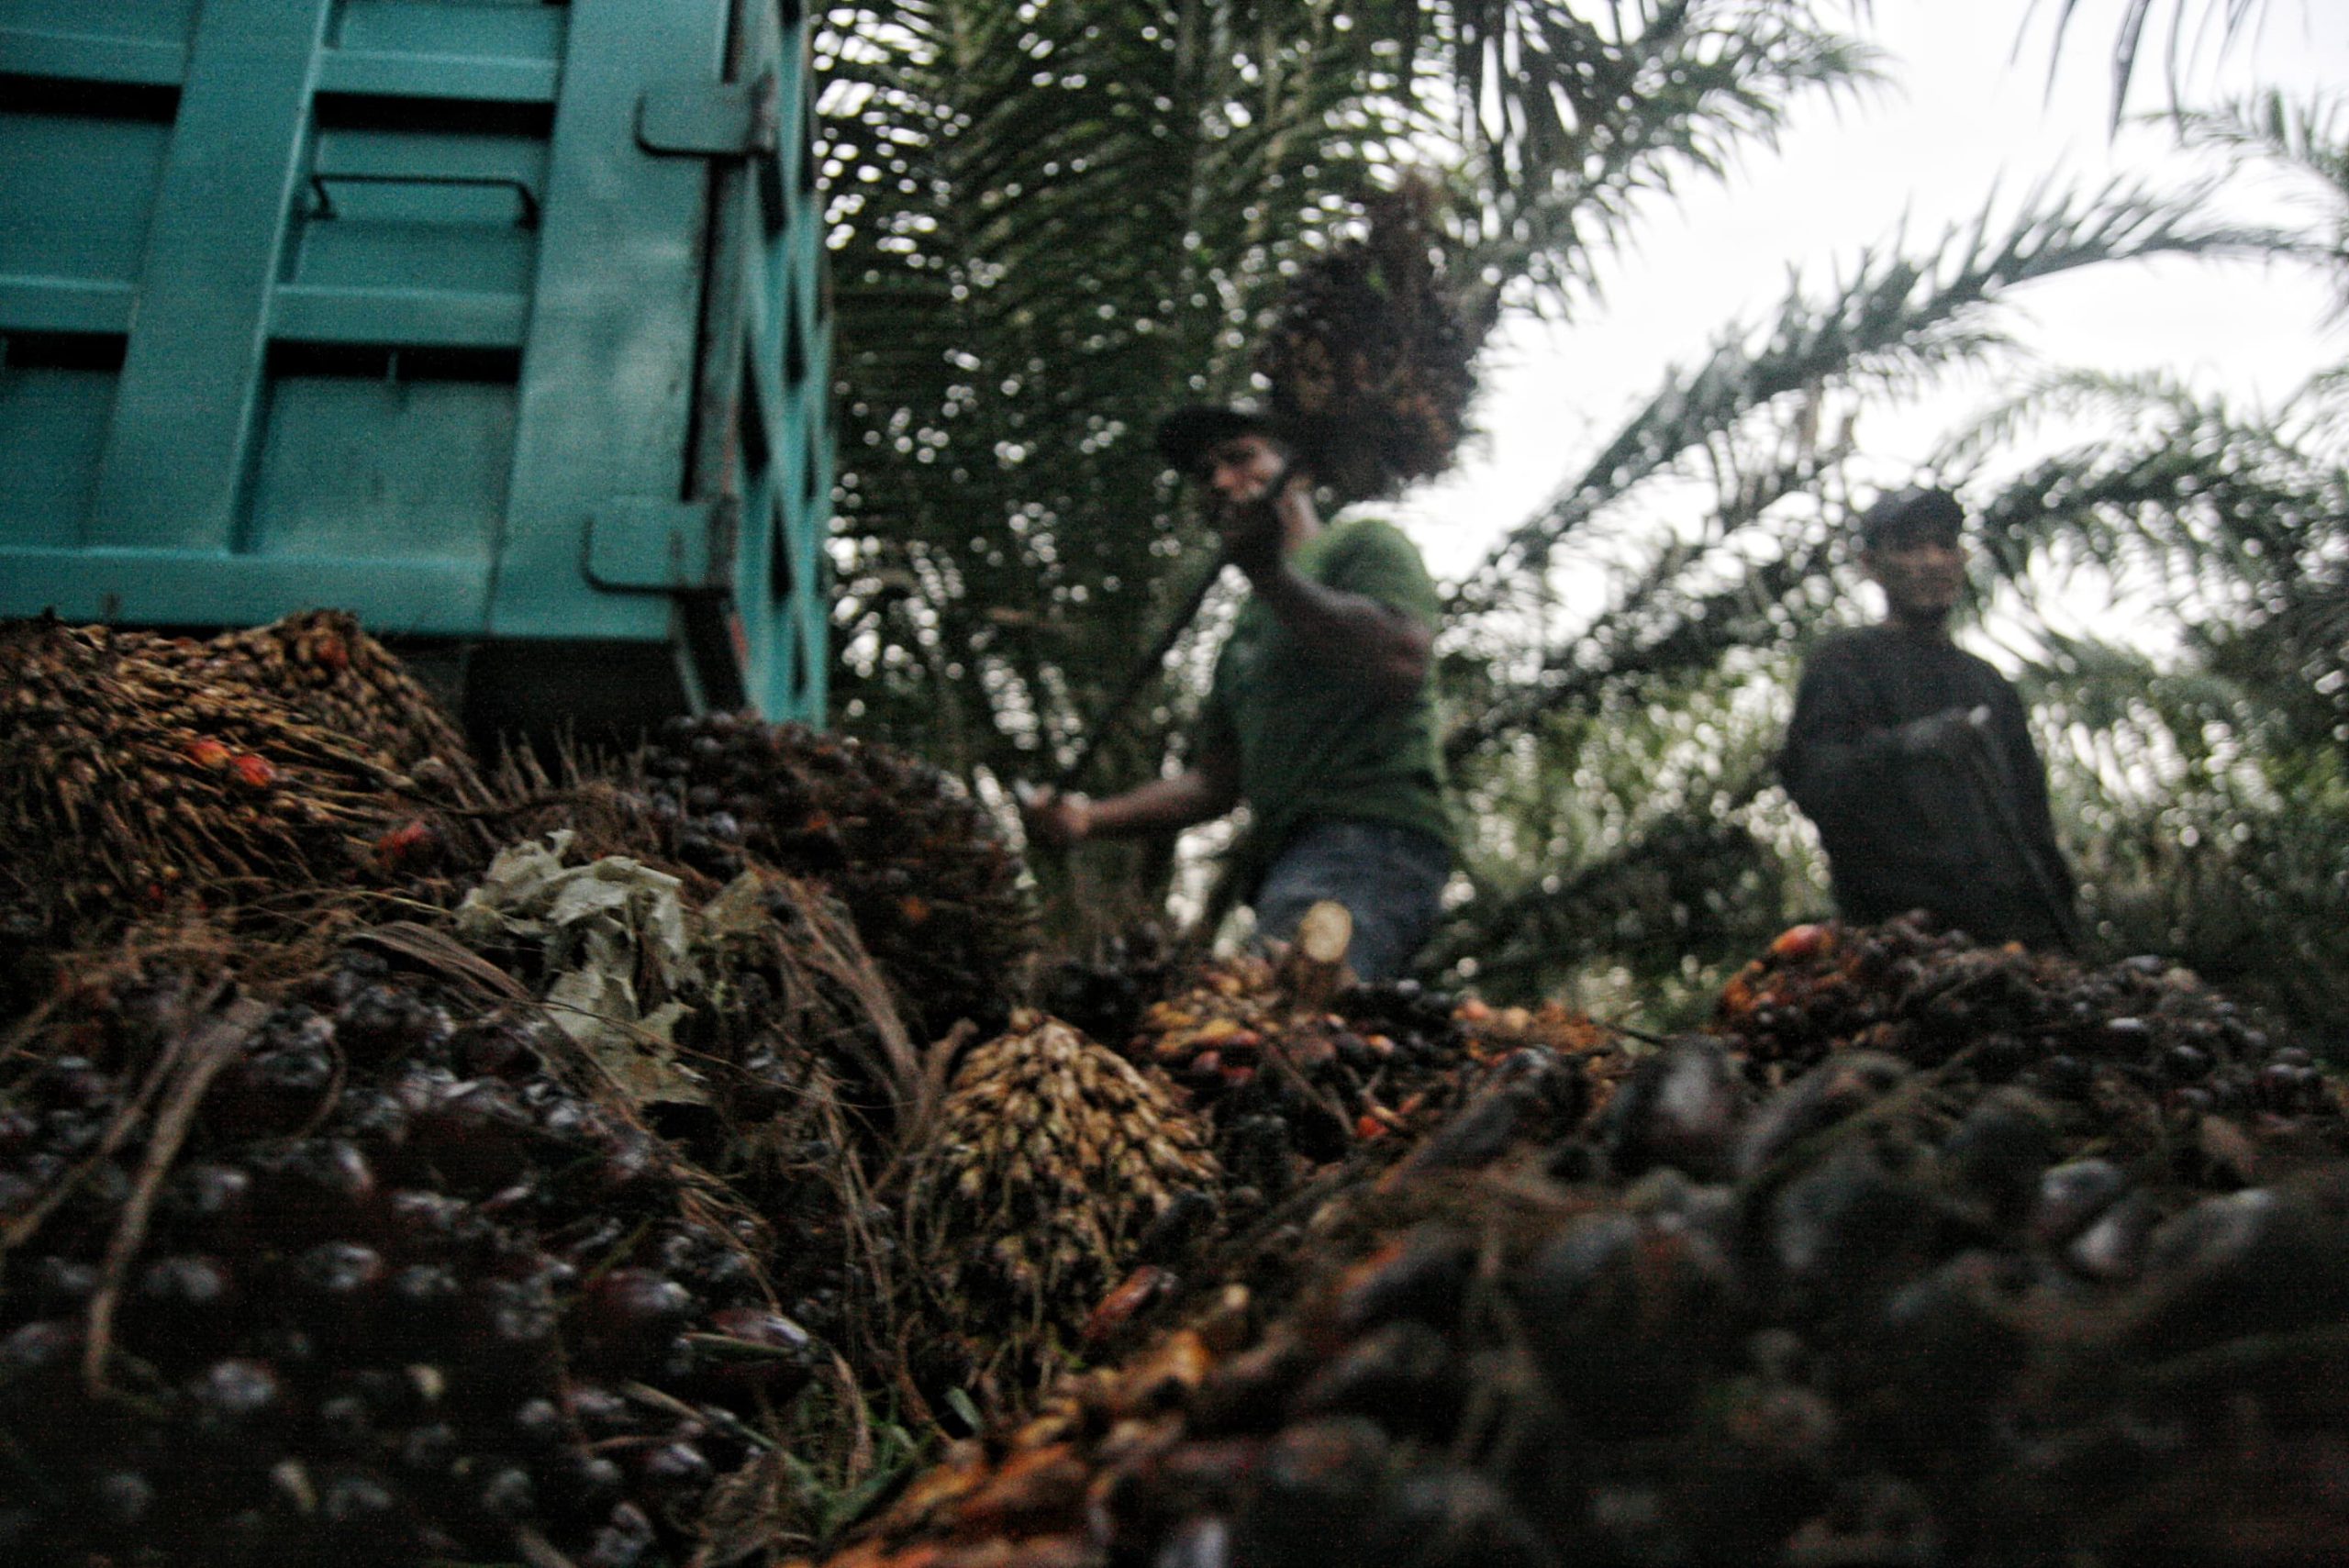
[1057, 818]
[1945, 734]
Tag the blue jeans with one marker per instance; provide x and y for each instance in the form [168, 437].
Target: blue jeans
[1390, 877]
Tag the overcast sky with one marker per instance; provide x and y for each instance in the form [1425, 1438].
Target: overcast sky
[1967, 112]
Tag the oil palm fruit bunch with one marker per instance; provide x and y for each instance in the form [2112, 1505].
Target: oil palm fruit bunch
[1291, 1088]
[348, 1269]
[1228, 1004]
[1271, 1077]
[1369, 358]
[930, 882]
[322, 665]
[1049, 1162]
[129, 779]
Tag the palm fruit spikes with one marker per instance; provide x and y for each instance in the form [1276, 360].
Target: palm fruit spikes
[319, 663]
[131, 773]
[350, 1269]
[1051, 1158]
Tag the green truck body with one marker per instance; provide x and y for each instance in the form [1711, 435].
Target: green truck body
[499, 322]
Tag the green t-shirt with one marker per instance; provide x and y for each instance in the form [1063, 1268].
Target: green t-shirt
[1314, 742]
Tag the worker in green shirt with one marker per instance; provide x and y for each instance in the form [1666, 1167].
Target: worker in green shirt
[1321, 717]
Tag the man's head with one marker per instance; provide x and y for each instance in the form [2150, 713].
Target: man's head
[1235, 453]
[1911, 547]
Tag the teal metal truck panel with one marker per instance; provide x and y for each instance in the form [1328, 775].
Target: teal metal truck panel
[499, 322]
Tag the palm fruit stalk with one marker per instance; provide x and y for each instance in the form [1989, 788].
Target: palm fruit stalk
[1883, 1309]
[129, 781]
[1051, 1159]
[932, 887]
[356, 1267]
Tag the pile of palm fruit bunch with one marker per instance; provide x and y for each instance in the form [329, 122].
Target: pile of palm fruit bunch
[1369, 358]
[605, 1200]
[347, 1257]
[1838, 1287]
[1069, 1192]
[932, 887]
[140, 772]
[1053, 1167]
[450, 1225]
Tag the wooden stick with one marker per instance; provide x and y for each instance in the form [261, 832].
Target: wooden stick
[1107, 718]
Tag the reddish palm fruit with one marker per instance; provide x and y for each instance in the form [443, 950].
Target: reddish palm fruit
[18, 1128]
[414, 845]
[1136, 1291]
[356, 1503]
[62, 1285]
[340, 1272]
[189, 1296]
[596, 1409]
[672, 1469]
[275, 1092]
[540, 1426]
[213, 1200]
[579, 1481]
[124, 1498]
[1797, 943]
[234, 1391]
[477, 1136]
[507, 1493]
[33, 1351]
[429, 1449]
[73, 1081]
[623, 1541]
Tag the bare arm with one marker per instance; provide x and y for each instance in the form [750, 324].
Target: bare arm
[1197, 795]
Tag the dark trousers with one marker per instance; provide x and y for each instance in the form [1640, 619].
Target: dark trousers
[1390, 877]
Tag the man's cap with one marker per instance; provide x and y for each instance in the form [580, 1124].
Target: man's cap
[1903, 513]
[1186, 435]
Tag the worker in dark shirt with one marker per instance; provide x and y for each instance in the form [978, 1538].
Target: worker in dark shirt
[1913, 757]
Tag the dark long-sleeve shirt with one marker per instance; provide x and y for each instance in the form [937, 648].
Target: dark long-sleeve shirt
[1924, 832]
